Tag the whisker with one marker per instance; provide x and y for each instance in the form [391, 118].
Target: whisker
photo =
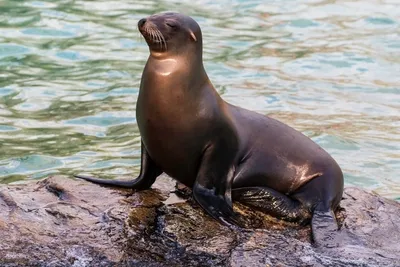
[158, 38]
[162, 39]
[152, 35]
[165, 42]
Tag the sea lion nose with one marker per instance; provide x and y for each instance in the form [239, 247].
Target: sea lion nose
[141, 22]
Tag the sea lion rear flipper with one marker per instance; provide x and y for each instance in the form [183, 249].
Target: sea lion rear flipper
[273, 203]
[325, 229]
[149, 171]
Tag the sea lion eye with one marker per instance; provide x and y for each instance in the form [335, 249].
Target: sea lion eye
[171, 25]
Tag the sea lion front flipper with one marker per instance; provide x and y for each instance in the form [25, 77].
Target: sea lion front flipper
[212, 188]
[215, 205]
[149, 171]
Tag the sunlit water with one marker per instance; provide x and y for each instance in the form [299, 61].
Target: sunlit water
[70, 72]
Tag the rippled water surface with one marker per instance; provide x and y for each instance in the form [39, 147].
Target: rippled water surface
[70, 72]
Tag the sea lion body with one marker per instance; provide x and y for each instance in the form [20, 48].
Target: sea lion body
[275, 155]
[220, 150]
[261, 159]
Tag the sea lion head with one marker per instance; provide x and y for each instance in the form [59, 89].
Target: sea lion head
[171, 33]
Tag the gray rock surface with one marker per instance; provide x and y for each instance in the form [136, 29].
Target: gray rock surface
[64, 222]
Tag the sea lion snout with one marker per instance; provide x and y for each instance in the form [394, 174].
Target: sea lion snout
[141, 22]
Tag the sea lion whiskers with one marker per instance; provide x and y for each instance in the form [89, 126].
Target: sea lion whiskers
[152, 35]
[162, 39]
[155, 35]
[157, 38]
[149, 31]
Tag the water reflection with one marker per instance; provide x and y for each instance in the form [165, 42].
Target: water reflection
[70, 73]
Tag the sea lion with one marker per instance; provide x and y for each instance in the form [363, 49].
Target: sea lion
[222, 151]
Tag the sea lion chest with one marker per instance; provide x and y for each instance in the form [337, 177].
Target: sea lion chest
[168, 121]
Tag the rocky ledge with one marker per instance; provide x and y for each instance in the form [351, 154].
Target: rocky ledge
[65, 222]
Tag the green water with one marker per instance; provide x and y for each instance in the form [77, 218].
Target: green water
[70, 72]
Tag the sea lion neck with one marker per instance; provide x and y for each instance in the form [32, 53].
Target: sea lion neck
[193, 53]
[159, 55]
[183, 64]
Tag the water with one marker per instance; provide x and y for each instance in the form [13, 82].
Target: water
[70, 72]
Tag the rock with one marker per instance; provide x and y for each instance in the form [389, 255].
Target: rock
[64, 222]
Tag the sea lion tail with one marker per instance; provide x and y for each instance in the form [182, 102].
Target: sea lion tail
[115, 183]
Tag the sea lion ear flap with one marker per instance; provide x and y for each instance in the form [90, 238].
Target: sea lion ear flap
[192, 36]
